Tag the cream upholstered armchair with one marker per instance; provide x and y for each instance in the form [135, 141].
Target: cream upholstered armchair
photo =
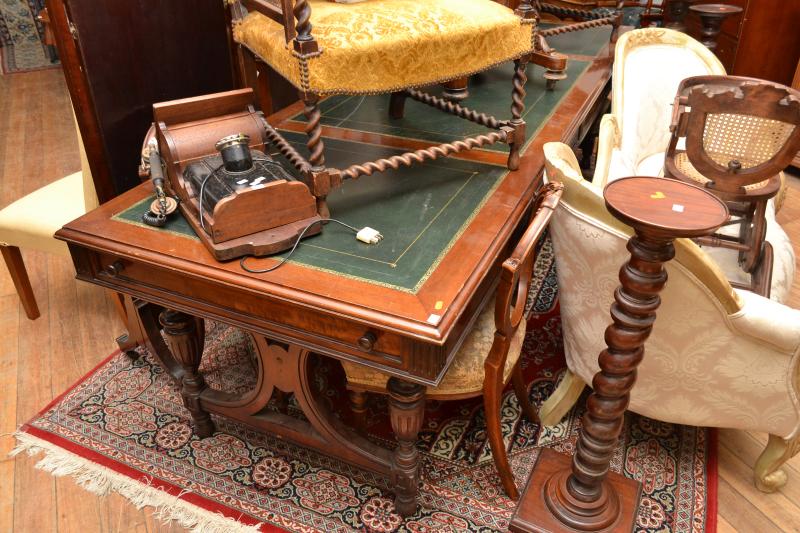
[31, 221]
[649, 64]
[717, 356]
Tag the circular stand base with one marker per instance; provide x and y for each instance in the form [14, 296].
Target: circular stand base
[534, 513]
[598, 515]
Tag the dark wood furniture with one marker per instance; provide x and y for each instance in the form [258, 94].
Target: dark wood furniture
[587, 497]
[500, 360]
[295, 17]
[762, 43]
[739, 134]
[261, 219]
[796, 85]
[295, 310]
[159, 51]
[712, 16]
[676, 11]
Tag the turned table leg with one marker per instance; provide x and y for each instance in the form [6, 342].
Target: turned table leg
[185, 337]
[406, 411]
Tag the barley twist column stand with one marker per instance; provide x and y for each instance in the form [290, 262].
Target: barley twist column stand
[584, 495]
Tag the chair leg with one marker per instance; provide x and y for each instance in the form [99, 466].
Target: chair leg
[397, 105]
[314, 142]
[562, 400]
[755, 238]
[517, 107]
[358, 406]
[492, 393]
[768, 474]
[521, 392]
[456, 90]
[16, 267]
[762, 273]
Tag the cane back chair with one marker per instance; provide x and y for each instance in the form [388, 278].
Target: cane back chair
[739, 134]
[489, 356]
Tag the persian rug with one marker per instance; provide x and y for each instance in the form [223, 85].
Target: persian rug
[123, 428]
[21, 46]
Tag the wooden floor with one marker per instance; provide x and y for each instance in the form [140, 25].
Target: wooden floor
[40, 359]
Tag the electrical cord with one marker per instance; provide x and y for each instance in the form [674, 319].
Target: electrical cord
[296, 243]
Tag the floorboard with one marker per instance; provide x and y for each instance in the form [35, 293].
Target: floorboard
[39, 359]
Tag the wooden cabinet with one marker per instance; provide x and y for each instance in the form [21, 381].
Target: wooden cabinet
[762, 42]
[796, 85]
[119, 57]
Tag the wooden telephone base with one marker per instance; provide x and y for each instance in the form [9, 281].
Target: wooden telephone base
[255, 221]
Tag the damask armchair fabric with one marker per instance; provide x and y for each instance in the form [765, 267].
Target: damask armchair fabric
[717, 356]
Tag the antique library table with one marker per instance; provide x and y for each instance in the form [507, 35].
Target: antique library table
[402, 306]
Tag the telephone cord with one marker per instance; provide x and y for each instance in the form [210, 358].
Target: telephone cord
[296, 243]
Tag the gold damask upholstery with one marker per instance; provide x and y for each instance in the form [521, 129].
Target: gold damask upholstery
[466, 373]
[385, 45]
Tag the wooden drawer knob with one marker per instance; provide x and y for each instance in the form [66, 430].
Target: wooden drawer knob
[115, 268]
[367, 341]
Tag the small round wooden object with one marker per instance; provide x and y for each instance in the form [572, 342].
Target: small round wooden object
[586, 496]
[172, 205]
[712, 16]
[665, 207]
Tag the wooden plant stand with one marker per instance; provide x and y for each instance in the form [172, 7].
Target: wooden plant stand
[712, 16]
[587, 496]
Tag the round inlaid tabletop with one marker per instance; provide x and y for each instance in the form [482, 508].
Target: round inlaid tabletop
[716, 9]
[670, 207]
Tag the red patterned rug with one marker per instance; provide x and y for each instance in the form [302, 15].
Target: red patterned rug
[123, 428]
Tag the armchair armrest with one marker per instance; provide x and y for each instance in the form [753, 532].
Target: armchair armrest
[767, 321]
[608, 139]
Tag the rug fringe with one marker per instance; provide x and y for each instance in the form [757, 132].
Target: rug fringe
[102, 481]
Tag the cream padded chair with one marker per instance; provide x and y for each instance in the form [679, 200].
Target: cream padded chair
[649, 64]
[717, 356]
[31, 221]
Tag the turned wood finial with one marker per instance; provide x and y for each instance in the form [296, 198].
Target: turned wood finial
[302, 13]
[526, 10]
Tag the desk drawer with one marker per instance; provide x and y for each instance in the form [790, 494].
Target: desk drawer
[314, 329]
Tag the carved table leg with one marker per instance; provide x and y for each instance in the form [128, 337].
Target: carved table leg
[185, 336]
[358, 406]
[406, 411]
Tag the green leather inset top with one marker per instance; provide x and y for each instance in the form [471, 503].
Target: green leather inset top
[490, 93]
[420, 211]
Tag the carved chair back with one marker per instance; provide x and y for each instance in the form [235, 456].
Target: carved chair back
[294, 15]
[516, 274]
[738, 131]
